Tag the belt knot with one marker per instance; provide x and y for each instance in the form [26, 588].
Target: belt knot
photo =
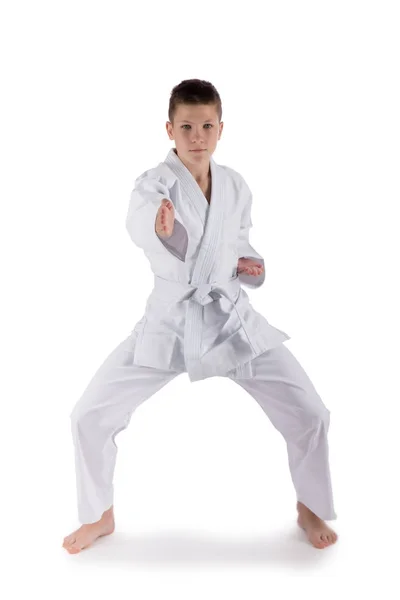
[202, 294]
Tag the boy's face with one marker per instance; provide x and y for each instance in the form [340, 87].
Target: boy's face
[195, 127]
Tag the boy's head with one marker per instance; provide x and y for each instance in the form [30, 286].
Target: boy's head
[195, 113]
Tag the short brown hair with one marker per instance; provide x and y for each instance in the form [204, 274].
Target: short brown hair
[194, 91]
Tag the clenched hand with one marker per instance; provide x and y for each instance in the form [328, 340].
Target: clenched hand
[249, 266]
[165, 218]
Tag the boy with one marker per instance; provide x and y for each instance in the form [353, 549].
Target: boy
[192, 219]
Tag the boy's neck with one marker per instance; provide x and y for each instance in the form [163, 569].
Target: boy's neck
[201, 177]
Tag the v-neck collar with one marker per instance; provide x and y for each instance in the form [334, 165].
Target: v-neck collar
[183, 172]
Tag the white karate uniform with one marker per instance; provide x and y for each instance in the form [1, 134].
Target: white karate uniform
[199, 320]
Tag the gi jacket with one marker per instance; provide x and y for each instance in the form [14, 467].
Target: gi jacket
[198, 318]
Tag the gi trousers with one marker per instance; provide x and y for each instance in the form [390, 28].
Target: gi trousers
[279, 384]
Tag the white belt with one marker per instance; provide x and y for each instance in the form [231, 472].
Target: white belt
[198, 296]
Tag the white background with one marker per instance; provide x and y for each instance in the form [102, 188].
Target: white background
[204, 503]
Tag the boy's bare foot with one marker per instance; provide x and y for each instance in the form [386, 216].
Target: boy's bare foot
[85, 535]
[318, 532]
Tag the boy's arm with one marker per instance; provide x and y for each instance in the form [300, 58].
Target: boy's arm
[144, 203]
[245, 250]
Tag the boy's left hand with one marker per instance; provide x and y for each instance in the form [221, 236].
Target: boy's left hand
[249, 266]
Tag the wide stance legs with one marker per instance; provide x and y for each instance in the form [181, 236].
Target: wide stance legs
[280, 386]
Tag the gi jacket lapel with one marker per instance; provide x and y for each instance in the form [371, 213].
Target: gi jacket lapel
[211, 215]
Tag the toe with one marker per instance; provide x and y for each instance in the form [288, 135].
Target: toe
[317, 542]
[324, 541]
[75, 547]
[69, 539]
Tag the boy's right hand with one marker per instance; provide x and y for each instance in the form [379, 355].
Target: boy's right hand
[165, 219]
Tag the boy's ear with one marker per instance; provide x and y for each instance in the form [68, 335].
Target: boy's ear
[168, 127]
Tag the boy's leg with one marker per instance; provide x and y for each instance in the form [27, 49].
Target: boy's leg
[285, 393]
[105, 408]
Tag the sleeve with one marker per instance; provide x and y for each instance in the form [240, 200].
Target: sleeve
[245, 250]
[144, 203]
